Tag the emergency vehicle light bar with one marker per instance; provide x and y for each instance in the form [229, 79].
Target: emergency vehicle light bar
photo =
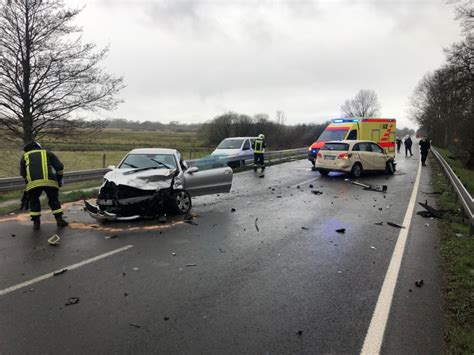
[342, 120]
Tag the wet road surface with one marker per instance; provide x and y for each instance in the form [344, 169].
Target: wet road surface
[273, 276]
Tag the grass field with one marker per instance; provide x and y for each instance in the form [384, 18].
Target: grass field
[465, 175]
[457, 250]
[87, 151]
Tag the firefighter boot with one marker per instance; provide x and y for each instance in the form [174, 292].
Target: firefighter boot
[36, 224]
[60, 222]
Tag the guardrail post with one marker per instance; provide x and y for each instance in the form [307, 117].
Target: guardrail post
[104, 160]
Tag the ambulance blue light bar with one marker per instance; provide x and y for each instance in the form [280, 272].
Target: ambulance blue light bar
[343, 120]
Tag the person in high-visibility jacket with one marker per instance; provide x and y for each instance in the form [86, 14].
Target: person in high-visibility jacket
[42, 171]
[258, 150]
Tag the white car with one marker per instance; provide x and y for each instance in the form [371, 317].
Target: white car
[149, 182]
[353, 156]
[236, 150]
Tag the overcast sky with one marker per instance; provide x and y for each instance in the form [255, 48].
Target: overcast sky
[193, 60]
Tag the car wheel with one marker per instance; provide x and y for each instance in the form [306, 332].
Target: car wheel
[390, 168]
[181, 202]
[356, 170]
[324, 172]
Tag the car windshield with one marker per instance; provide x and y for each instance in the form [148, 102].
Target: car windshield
[336, 146]
[333, 135]
[230, 144]
[149, 161]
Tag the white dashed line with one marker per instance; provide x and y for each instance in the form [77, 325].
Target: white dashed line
[71, 267]
[374, 338]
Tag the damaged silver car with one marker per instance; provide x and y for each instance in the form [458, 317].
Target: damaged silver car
[150, 182]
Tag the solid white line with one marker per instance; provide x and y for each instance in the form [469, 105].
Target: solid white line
[305, 182]
[376, 331]
[71, 267]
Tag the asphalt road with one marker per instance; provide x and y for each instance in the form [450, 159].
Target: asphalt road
[295, 285]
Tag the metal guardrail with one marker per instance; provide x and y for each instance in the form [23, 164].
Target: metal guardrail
[18, 183]
[466, 199]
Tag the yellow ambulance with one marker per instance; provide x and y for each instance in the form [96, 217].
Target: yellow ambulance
[379, 130]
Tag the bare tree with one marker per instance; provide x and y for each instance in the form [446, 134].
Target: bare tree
[46, 72]
[364, 104]
[280, 117]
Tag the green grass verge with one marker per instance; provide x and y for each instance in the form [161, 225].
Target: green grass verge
[465, 175]
[457, 255]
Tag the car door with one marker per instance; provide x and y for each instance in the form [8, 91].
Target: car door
[247, 152]
[207, 182]
[364, 152]
[379, 157]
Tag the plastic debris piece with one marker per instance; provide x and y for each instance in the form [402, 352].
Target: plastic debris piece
[72, 300]
[430, 212]
[419, 283]
[316, 192]
[166, 318]
[256, 225]
[174, 254]
[299, 332]
[379, 223]
[232, 210]
[261, 176]
[111, 236]
[135, 325]
[427, 224]
[221, 250]
[13, 235]
[191, 265]
[373, 248]
[191, 222]
[54, 240]
[341, 230]
[135, 268]
[305, 228]
[395, 225]
[59, 272]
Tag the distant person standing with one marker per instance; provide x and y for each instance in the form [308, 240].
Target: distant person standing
[42, 171]
[408, 143]
[399, 144]
[258, 150]
[425, 147]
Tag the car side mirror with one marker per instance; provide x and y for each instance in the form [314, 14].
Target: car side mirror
[193, 169]
[111, 167]
[185, 165]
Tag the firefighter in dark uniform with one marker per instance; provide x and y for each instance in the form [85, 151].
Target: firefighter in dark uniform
[258, 150]
[42, 171]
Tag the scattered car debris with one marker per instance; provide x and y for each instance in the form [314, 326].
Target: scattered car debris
[433, 193]
[316, 192]
[261, 176]
[427, 224]
[341, 230]
[135, 325]
[72, 300]
[298, 186]
[378, 223]
[31, 289]
[191, 265]
[166, 318]
[299, 332]
[191, 222]
[188, 217]
[135, 268]
[124, 274]
[419, 283]
[54, 240]
[430, 212]
[13, 235]
[125, 294]
[174, 254]
[305, 228]
[221, 250]
[395, 225]
[373, 248]
[256, 225]
[376, 188]
[459, 235]
[232, 210]
[59, 272]
[311, 186]
[111, 236]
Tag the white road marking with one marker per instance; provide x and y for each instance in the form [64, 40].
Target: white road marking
[374, 337]
[305, 182]
[69, 268]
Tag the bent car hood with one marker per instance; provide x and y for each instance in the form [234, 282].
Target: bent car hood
[153, 179]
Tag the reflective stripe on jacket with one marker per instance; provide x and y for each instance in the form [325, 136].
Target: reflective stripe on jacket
[37, 166]
[259, 146]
